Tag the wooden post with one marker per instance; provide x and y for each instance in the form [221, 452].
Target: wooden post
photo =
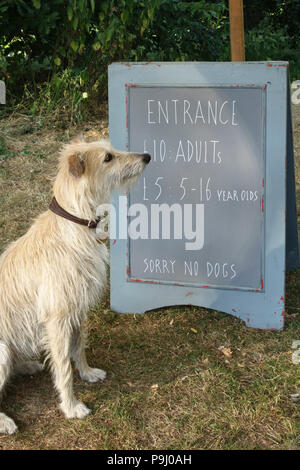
[236, 17]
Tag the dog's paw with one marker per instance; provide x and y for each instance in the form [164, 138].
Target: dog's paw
[93, 375]
[7, 425]
[79, 410]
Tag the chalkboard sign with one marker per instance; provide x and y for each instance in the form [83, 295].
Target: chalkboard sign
[213, 197]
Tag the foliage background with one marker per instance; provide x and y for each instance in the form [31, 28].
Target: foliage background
[54, 55]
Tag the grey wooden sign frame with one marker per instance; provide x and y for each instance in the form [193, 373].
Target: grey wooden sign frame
[258, 308]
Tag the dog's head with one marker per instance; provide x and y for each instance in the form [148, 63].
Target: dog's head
[99, 168]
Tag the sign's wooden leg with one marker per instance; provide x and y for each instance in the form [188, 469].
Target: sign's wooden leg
[237, 30]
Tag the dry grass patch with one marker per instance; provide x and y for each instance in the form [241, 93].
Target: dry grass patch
[178, 378]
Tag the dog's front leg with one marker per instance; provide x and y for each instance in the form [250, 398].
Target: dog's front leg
[86, 372]
[59, 335]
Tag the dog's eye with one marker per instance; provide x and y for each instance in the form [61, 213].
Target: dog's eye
[108, 157]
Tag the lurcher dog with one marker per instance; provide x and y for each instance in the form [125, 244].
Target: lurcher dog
[53, 275]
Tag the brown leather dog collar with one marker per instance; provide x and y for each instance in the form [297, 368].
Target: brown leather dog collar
[58, 210]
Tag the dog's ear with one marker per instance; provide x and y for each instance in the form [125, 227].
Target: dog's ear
[76, 165]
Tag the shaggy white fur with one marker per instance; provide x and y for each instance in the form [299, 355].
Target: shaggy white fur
[51, 276]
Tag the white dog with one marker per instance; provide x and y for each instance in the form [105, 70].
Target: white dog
[53, 275]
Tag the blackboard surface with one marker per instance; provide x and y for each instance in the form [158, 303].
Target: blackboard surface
[217, 133]
[207, 148]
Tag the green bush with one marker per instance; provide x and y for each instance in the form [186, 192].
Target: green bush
[67, 44]
[188, 31]
[272, 32]
[55, 54]
[265, 43]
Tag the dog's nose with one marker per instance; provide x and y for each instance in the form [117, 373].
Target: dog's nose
[146, 158]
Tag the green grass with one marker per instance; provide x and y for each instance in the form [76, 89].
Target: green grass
[168, 387]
